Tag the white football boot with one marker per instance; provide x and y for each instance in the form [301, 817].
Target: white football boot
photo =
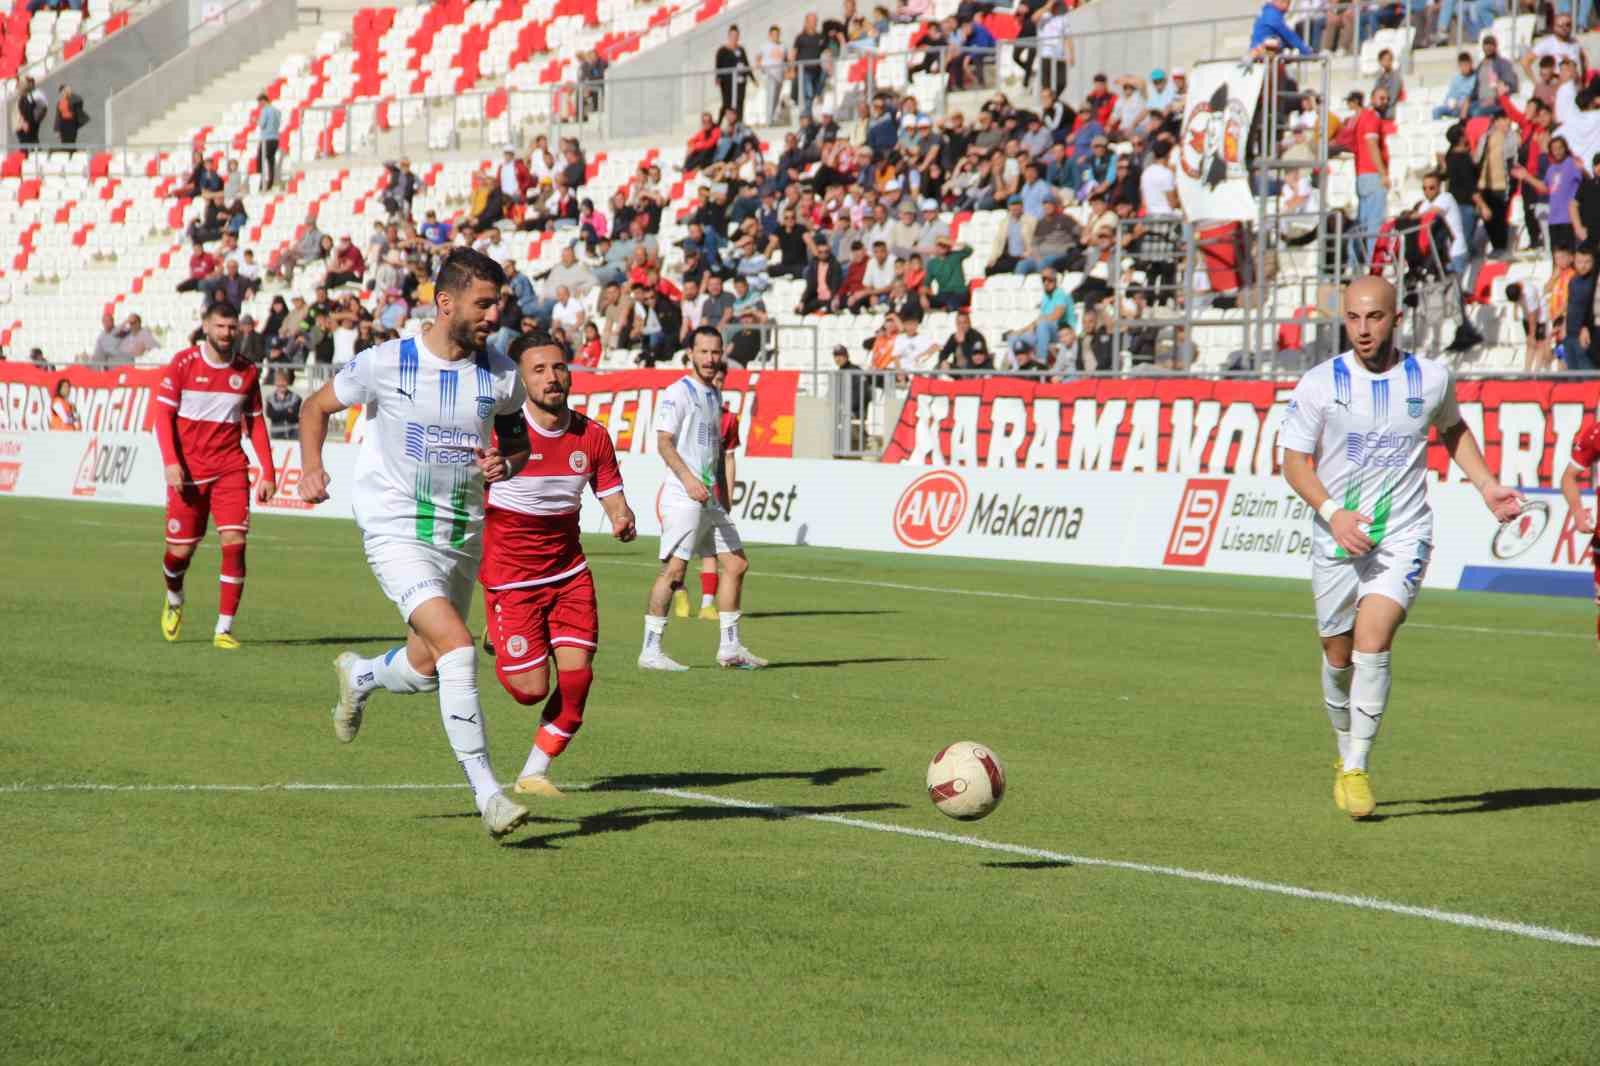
[352, 702]
[501, 815]
[740, 658]
[658, 660]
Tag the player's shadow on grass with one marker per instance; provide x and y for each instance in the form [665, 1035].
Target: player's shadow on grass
[312, 642]
[1028, 864]
[710, 779]
[1505, 799]
[627, 819]
[808, 614]
[802, 664]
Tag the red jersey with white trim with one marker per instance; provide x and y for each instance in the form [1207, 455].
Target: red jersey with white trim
[1586, 454]
[730, 440]
[213, 404]
[530, 530]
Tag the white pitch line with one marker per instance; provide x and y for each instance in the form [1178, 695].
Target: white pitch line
[1088, 601]
[1470, 921]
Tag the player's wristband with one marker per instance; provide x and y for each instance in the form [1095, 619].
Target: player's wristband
[1329, 508]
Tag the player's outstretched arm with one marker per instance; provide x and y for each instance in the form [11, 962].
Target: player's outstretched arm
[1572, 493]
[314, 414]
[1300, 472]
[1503, 502]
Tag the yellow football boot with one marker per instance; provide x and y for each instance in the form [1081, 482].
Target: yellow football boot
[537, 785]
[1338, 784]
[1358, 799]
[225, 641]
[680, 603]
[171, 620]
[709, 613]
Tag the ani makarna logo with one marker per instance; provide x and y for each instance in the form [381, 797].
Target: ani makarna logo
[1522, 532]
[930, 509]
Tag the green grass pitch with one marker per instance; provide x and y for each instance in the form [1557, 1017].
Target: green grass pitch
[624, 925]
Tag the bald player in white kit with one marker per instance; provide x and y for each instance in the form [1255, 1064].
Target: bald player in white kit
[1355, 448]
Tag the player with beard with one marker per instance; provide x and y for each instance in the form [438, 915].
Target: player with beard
[1355, 449]
[537, 588]
[431, 403]
[209, 399]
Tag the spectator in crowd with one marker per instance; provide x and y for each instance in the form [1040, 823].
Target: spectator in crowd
[1056, 50]
[1272, 30]
[1585, 216]
[107, 346]
[652, 327]
[914, 350]
[1496, 155]
[283, 407]
[402, 188]
[308, 249]
[70, 115]
[31, 107]
[1578, 342]
[1435, 197]
[1056, 310]
[1558, 45]
[1158, 183]
[879, 276]
[823, 279]
[36, 358]
[1495, 75]
[203, 268]
[702, 147]
[1054, 238]
[590, 350]
[63, 412]
[1372, 178]
[965, 349]
[1529, 309]
[1555, 292]
[1461, 91]
[809, 46]
[772, 58]
[1011, 241]
[592, 80]
[269, 128]
[229, 287]
[1390, 82]
[345, 265]
[734, 72]
[249, 343]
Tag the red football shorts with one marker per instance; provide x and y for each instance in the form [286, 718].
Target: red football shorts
[526, 623]
[227, 499]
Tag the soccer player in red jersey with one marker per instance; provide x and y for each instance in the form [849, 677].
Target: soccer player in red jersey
[209, 399]
[538, 592]
[729, 431]
[1585, 462]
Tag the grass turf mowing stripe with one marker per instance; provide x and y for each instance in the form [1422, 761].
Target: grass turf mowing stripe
[1469, 921]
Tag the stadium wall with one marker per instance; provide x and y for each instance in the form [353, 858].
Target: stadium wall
[1240, 524]
[248, 27]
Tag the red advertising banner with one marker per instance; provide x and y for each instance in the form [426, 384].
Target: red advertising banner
[121, 400]
[1193, 426]
[625, 401]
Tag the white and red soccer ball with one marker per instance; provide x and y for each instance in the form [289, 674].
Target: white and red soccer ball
[966, 781]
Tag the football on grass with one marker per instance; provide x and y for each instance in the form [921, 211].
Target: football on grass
[966, 780]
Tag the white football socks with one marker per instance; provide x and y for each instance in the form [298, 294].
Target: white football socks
[174, 599]
[224, 624]
[538, 764]
[392, 671]
[1369, 695]
[463, 720]
[706, 600]
[654, 627]
[1336, 698]
[730, 629]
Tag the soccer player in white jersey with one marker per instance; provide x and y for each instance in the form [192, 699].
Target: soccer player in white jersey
[1355, 446]
[418, 496]
[688, 425]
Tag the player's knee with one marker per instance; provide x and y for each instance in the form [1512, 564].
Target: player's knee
[230, 537]
[528, 687]
[185, 551]
[734, 565]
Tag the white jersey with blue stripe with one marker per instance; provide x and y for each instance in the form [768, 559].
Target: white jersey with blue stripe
[426, 418]
[1369, 434]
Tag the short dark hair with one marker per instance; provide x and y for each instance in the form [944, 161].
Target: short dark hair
[463, 266]
[1514, 292]
[221, 309]
[1464, 57]
[705, 331]
[1587, 248]
[534, 338]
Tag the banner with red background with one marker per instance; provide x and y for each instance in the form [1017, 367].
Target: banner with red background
[121, 400]
[1189, 426]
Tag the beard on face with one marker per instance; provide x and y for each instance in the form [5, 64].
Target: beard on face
[464, 336]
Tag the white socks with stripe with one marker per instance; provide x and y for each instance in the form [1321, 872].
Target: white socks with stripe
[730, 630]
[1336, 698]
[1369, 695]
[654, 626]
[392, 671]
[463, 720]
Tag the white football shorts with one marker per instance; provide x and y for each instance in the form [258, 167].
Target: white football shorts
[1393, 569]
[690, 531]
[411, 572]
